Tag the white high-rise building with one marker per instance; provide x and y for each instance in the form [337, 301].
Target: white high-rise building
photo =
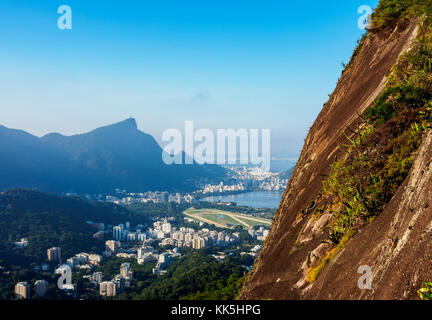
[112, 246]
[188, 236]
[140, 252]
[160, 234]
[117, 233]
[198, 243]
[131, 236]
[124, 269]
[166, 227]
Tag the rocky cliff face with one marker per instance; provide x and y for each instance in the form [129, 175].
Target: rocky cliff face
[360, 193]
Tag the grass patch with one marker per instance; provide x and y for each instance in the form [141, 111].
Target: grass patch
[253, 223]
[365, 183]
[397, 99]
[389, 12]
[225, 220]
[425, 293]
[314, 272]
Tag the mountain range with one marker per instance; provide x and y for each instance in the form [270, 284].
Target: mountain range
[109, 157]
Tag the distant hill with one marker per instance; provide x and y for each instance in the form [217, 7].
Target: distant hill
[110, 157]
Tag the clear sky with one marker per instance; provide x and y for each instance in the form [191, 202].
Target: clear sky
[221, 63]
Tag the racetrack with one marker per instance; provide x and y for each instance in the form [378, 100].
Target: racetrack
[225, 219]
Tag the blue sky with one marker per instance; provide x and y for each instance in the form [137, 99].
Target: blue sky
[221, 63]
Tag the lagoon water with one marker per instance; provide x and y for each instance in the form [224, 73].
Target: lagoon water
[256, 199]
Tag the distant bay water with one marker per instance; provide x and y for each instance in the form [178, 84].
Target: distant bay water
[255, 199]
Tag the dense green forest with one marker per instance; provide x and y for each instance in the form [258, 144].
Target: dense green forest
[189, 275]
[49, 220]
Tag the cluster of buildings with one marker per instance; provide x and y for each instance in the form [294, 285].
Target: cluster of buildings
[221, 188]
[273, 184]
[189, 237]
[118, 284]
[259, 179]
[168, 235]
[247, 179]
[259, 234]
[254, 252]
[143, 254]
[150, 196]
[114, 286]
[124, 232]
[199, 239]
[87, 261]
[147, 254]
[22, 289]
[81, 260]
[162, 233]
[84, 260]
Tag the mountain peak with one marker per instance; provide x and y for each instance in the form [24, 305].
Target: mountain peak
[129, 123]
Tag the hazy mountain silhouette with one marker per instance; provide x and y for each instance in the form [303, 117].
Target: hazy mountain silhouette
[114, 156]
